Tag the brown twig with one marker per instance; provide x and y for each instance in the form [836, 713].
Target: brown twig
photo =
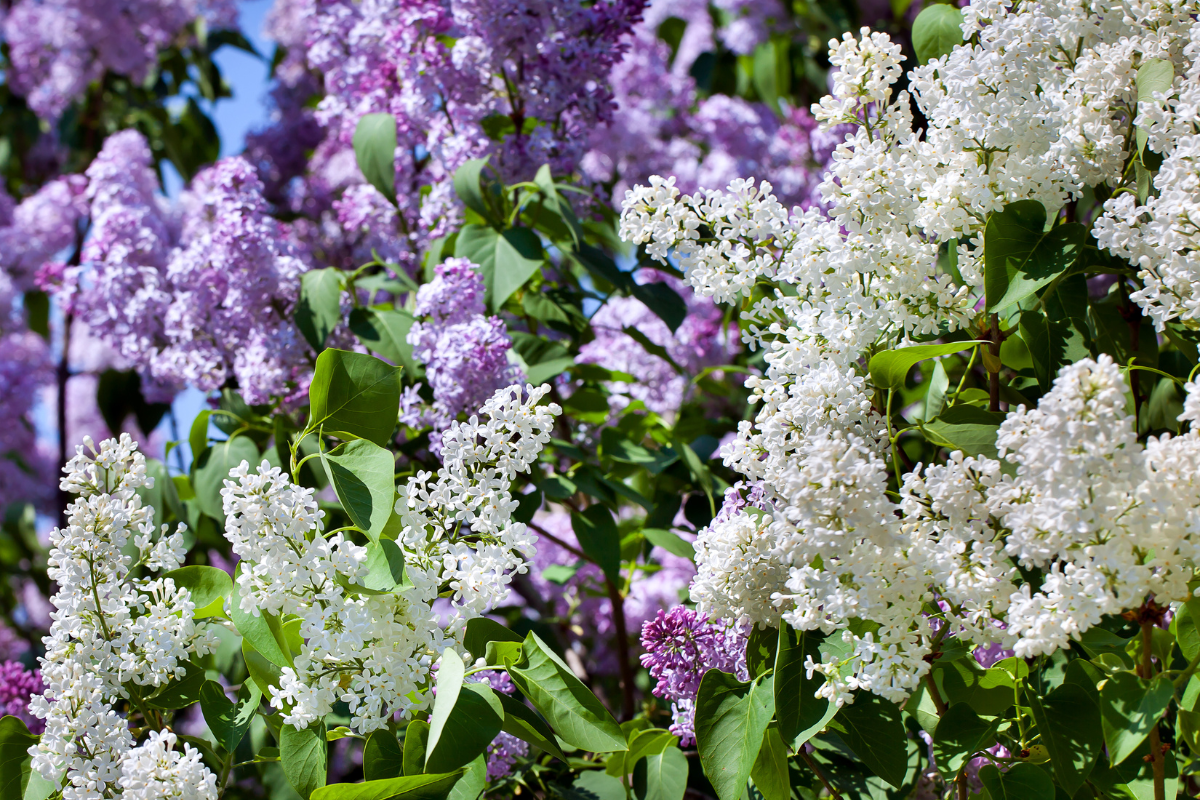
[1156, 748]
[820, 775]
[994, 377]
[628, 707]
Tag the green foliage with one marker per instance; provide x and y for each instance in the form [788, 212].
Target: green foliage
[320, 307]
[362, 474]
[229, 721]
[382, 756]
[936, 30]
[731, 718]
[409, 787]
[304, 755]
[354, 396]
[375, 150]
[15, 741]
[573, 712]
[1022, 256]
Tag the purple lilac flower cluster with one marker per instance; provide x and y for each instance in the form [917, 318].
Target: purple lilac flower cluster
[662, 126]
[57, 47]
[702, 340]
[681, 646]
[465, 352]
[522, 82]
[193, 296]
[17, 685]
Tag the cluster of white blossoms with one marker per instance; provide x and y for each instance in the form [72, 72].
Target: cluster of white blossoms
[459, 534]
[370, 650]
[374, 649]
[1040, 103]
[156, 771]
[111, 634]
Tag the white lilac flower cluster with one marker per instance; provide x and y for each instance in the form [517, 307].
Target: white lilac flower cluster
[112, 635]
[374, 650]
[458, 528]
[1040, 105]
[369, 650]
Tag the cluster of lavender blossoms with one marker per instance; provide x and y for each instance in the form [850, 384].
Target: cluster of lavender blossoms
[663, 126]
[520, 82]
[702, 340]
[195, 295]
[57, 47]
[18, 686]
[464, 351]
[681, 645]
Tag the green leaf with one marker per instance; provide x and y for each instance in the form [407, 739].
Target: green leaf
[363, 475]
[1020, 256]
[208, 587]
[303, 755]
[385, 333]
[1187, 629]
[1069, 723]
[731, 718]
[770, 770]
[198, 434]
[801, 715]
[523, 722]
[354, 396]
[1154, 75]
[889, 368]
[967, 428]
[574, 713]
[596, 785]
[538, 374]
[449, 685]
[263, 630]
[212, 470]
[671, 542]
[382, 756]
[228, 720]
[263, 672]
[598, 537]
[1045, 347]
[375, 150]
[1130, 707]
[664, 776]
[482, 630]
[15, 741]
[385, 567]
[664, 301]
[873, 729]
[409, 787]
[179, 692]
[473, 781]
[960, 734]
[935, 32]
[1021, 782]
[475, 719]
[644, 744]
[320, 307]
[468, 185]
[935, 395]
[506, 260]
[772, 74]
[416, 737]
